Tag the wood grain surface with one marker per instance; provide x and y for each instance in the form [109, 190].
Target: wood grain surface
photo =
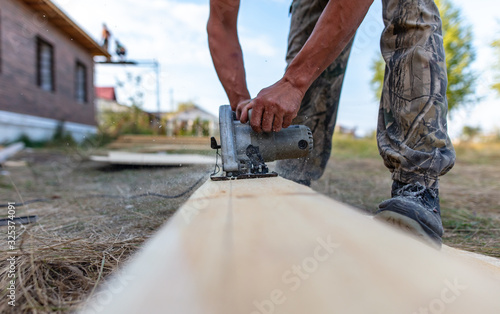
[273, 246]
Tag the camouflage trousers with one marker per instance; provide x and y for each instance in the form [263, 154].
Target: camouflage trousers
[412, 129]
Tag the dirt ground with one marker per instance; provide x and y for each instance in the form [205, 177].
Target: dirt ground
[92, 217]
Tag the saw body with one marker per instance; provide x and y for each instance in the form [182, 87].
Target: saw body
[245, 152]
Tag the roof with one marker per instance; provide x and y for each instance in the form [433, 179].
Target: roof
[60, 20]
[192, 114]
[107, 93]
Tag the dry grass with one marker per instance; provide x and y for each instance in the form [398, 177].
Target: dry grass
[470, 202]
[80, 237]
[56, 274]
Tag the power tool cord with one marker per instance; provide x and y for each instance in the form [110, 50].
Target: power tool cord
[39, 200]
[216, 166]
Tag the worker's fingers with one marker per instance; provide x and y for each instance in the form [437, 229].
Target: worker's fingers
[245, 116]
[278, 123]
[256, 121]
[241, 105]
[267, 121]
[287, 120]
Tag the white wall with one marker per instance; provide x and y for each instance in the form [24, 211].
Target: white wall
[13, 125]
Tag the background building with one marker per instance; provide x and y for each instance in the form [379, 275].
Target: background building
[46, 72]
[191, 120]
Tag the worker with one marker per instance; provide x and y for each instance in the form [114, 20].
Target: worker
[412, 128]
[106, 35]
[120, 50]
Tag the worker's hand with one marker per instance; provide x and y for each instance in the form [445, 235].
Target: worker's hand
[273, 109]
[241, 103]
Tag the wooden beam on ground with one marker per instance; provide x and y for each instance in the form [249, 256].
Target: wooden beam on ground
[10, 151]
[126, 158]
[161, 139]
[273, 246]
[161, 142]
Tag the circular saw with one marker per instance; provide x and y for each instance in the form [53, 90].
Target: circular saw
[244, 152]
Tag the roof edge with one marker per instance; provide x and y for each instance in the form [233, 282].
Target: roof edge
[66, 25]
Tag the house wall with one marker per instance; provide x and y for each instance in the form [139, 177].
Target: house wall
[19, 92]
[14, 125]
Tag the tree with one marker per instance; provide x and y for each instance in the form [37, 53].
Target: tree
[131, 119]
[496, 46]
[132, 90]
[186, 105]
[457, 40]
[469, 133]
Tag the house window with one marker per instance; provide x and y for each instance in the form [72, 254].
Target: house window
[0, 41]
[81, 82]
[45, 65]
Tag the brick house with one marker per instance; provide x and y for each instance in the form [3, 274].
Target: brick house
[46, 72]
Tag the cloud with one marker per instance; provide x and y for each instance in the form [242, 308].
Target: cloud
[259, 45]
[172, 32]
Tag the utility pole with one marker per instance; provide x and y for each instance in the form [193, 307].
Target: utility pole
[172, 109]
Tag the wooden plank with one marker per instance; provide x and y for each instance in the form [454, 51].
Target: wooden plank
[126, 158]
[273, 246]
[157, 148]
[155, 139]
[10, 151]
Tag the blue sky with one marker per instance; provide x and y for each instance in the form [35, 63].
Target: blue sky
[173, 32]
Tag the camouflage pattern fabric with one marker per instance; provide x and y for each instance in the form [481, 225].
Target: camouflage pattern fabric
[319, 107]
[412, 128]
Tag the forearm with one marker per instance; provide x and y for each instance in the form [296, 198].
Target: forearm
[226, 51]
[335, 28]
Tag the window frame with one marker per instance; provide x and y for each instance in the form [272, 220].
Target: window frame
[83, 66]
[1, 46]
[39, 43]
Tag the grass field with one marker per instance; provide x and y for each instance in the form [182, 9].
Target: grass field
[469, 193]
[93, 217]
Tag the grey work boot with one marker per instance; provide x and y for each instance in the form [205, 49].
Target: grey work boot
[414, 208]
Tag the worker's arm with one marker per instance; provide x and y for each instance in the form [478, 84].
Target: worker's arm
[226, 50]
[276, 106]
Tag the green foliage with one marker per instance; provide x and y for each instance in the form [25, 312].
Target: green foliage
[377, 81]
[187, 105]
[469, 133]
[198, 127]
[457, 40]
[131, 121]
[99, 139]
[132, 90]
[496, 46]
[28, 142]
[346, 146]
[61, 137]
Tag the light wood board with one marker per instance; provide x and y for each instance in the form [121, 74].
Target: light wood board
[273, 246]
[126, 158]
[10, 151]
[165, 142]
